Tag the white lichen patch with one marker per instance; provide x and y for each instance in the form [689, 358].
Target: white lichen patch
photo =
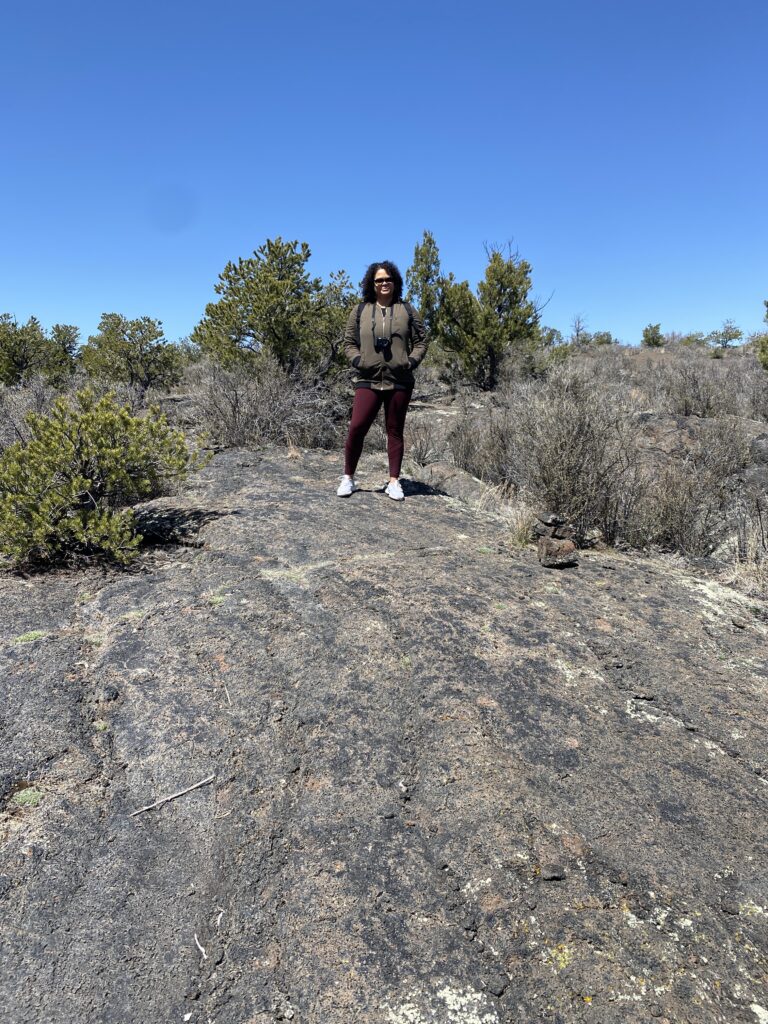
[473, 888]
[717, 602]
[633, 711]
[574, 675]
[760, 1012]
[449, 1005]
[712, 747]
[470, 1007]
[630, 919]
[659, 916]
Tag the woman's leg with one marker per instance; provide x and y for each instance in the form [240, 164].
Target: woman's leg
[365, 406]
[396, 406]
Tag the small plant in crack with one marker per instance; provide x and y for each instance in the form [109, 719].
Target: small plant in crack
[29, 796]
[28, 638]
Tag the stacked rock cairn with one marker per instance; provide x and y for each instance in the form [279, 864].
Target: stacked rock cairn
[557, 549]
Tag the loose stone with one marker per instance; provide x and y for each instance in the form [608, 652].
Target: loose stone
[552, 872]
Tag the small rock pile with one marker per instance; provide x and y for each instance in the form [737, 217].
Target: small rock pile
[557, 549]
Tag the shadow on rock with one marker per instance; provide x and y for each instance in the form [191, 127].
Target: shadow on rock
[417, 489]
[175, 525]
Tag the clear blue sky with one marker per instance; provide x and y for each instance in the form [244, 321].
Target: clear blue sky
[621, 146]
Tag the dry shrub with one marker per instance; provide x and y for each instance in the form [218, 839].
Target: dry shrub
[15, 405]
[691, 388]
[568, 441]
[683, 381]
[483, 442]
[425, 442]
[573, 443]
[680, 380]
[261, 404]
[748, 570]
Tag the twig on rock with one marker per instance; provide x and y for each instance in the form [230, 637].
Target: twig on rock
[173, 796]
[197, 943]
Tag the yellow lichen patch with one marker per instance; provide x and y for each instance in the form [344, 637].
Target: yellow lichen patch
[559, 956]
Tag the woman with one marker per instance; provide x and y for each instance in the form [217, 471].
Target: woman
[385, 341]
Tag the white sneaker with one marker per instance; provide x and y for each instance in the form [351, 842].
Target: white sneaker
[346, 487]
[394, 491]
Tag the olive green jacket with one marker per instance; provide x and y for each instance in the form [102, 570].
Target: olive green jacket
[388, 364]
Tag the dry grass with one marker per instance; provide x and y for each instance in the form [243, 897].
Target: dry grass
[425, 440]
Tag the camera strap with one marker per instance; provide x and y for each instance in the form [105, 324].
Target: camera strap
[359, 313]
[383, 321]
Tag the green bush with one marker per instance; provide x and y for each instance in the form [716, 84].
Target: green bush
[132, 352]
[760, 343]
[67, 490]
[27, 351]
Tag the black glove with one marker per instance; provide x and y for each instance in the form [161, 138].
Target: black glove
[356, 362]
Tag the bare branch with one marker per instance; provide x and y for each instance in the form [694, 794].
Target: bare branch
[173, 796]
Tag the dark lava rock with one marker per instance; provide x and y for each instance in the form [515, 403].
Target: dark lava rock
[315, 657]
[550, 519]
[552, 872]
[496, 985]
[557, 554]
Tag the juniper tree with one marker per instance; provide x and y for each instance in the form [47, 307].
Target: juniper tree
[499, 321]
[26, 351]
[270, 303]
[652, 336]
[760, 342]
[132, 352]
[424, 281]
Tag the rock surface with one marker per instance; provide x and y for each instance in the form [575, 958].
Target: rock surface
[448, 786]
[557, 554]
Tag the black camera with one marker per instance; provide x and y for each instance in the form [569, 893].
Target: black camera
[381, 344]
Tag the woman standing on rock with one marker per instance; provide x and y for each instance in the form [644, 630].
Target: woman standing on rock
[384, 341]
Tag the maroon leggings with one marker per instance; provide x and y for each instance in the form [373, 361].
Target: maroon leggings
[364, 410]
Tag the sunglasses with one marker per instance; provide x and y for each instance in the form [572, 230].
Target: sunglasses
[382, 280]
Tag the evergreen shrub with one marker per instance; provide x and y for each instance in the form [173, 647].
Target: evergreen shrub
[68, 489]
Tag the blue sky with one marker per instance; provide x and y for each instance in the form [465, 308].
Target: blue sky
[620, 146]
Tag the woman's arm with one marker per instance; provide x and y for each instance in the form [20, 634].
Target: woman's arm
[352, 339]
[419, 339]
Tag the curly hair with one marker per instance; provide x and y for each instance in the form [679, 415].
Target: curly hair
[368, 289]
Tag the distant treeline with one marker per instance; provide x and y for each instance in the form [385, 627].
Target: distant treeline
[270, 305]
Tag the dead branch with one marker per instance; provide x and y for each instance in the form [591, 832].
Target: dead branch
[173, 796]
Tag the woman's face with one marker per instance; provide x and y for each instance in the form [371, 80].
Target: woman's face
[384, 286]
